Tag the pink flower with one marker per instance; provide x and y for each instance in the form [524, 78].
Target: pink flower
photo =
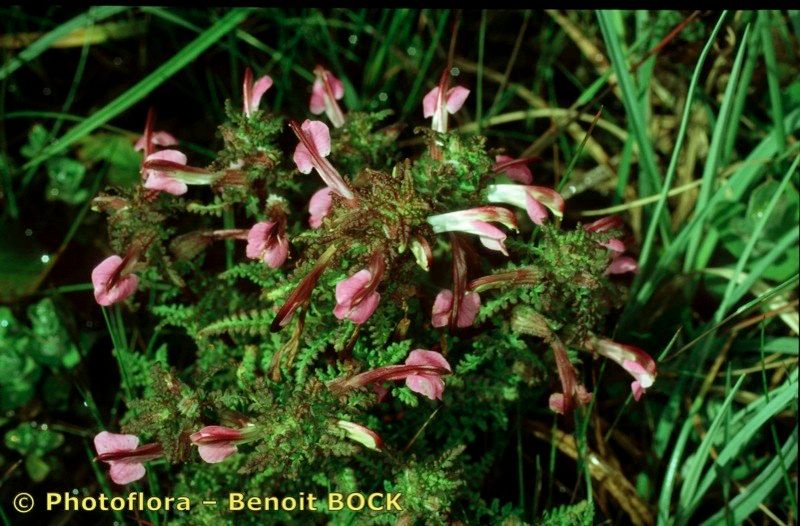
[476, 221]
[422, 371]
[311, 153]
[124, 456]
[216, 443]
[536, 200]
[161, 180]
[638, 363]
[326, 91]
[604, 224]
[112, 281]
[267, 241]
[440, 101]
[516, 169]
[361, 434]
[253, 91]
[622, 265]
[424, 383]
[467, 309]
[572, 390]
[319, 206]
[356, 297]
[158, 138]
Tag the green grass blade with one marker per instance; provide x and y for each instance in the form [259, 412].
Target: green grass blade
[765, 25]
[759, 489]
[711, 167]
[698, 459]
[630, 101]
[88, 18]
[731, 190]
[647, 245]
[146, 85]
[780, 398]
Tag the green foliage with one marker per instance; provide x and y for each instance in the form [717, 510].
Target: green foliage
[35, 444]
[580, 514]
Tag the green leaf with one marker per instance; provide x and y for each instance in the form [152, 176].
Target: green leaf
[29, 439]
[36, 467]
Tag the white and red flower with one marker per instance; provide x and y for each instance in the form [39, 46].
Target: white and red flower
[327, 89]
[423, 371]
[440, 101]
[253, 91]
[161, 179]
[157, 138]
[267, 241]
[311, 153]
[634, 360]
[216, 443]
[124, 456]
[516, 169]
[477, 221]
[356, 296]
[113, 281]
[467, 309]
[536, 200]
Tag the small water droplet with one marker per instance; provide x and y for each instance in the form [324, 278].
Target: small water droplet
[412, 51]
[352, 39]
[117, 61]
[455, 72]
[45, 258]
[382, 96]
[3, 323]
[75, 491]
[28, 232]
[46, 91]
[45, 427]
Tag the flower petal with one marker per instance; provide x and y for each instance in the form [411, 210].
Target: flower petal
[319, 206]
[536, 210]
[426, 357]
[319, 134]
[514, 169]
[317, 103]
[347, 288]
[257, 239]
[429, 103]
[123, 287]
[468, 309]
[622, 265]
[157, 180]
[126, 472]
[105, 442]
[214, 453]
[440, 315]
[456, 96]
[426, 385]
[259, 88]
[276, 254]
